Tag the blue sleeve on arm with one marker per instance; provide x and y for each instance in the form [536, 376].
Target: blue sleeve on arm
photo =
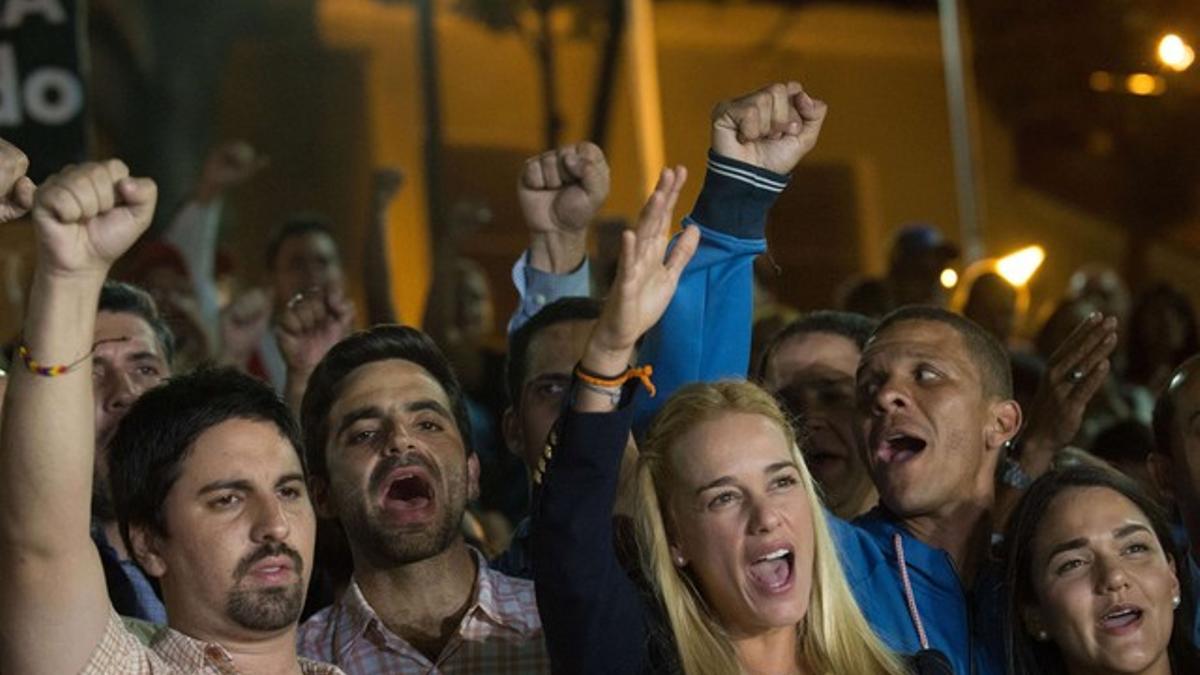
[705, 333]
[536, 289]
[592, 613]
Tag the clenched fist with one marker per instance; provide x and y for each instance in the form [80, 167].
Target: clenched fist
[561, 190]
[88, 215]
[16, 190]
[772, 128]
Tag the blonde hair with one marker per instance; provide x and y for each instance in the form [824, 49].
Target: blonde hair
[834, 637]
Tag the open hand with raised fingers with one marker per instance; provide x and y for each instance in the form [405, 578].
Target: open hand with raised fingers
[772, 128]
[16, 189]
[646, 277]
[88, 215]
[1074, 373]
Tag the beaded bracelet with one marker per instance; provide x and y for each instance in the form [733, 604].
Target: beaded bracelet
[47, 371]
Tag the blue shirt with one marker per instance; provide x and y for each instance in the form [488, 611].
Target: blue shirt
[964, 624]
[129, 589]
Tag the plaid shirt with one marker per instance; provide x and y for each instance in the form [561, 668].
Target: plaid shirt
[500, 633]
[170, 652]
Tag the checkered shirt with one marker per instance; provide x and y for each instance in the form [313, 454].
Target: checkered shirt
[170, 652]
[500, 634]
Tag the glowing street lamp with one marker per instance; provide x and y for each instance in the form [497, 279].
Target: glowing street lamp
[1174, 53]
[1018, 267]
[949, 278]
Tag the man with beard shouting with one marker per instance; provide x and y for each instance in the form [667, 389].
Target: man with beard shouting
[387, 437]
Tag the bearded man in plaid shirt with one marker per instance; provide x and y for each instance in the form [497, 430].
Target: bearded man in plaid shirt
[386, 430]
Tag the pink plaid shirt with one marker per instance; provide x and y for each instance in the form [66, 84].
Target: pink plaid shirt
[170, 652]
[500, 633]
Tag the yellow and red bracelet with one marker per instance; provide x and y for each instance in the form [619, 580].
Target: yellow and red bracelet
[47, 371]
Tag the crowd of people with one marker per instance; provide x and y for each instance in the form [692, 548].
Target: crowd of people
[200, 481]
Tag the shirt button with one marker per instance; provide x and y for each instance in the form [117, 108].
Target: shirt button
[539, 299]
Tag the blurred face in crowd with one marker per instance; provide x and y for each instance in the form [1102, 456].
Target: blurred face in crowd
[474, 303]
[550, 358]
[1103, 585]
[931, 432]
[741, 521]
[1102, 286]
[813, 374]
[239, 534]
[304, 261]
[399, 474]
[128, 360]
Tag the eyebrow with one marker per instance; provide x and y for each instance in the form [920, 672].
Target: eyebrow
[729, 480]
[137, 357]
[1080, 542]
[232, 484]
[375, 412]
[431, 405]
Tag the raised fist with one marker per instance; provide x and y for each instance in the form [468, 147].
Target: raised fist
[772, 128]
[386, 182]
[561, 190]
[228, 165]
[313, 322]
[88, 215]
[16, 190]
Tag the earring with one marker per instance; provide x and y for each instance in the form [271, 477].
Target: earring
[1042, 636]
[1175, 602]
[679, 561]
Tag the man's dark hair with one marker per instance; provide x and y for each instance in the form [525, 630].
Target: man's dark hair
[855, 327]
[989, 356]
[154, 439]
[1164, 407]
[123, 298]
[1127, 441]
[1027, 656]
[516, 366]
[380, 343]
[297, 225]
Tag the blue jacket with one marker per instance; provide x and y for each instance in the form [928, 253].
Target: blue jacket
[962, 624]
[705, 333]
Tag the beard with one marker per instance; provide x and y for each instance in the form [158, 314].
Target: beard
[382, 545]
[267, 609]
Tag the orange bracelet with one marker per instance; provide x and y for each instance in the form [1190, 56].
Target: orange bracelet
[642, 373]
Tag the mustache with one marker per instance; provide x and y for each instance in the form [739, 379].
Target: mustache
[268, 550]
[392, 462]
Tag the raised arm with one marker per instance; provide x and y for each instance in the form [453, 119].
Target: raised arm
[194, 229]
[560, 192]
[599, 625]
[386, 183]
[55, 604]
[1075, 372]
[757, 140]
[311, 324]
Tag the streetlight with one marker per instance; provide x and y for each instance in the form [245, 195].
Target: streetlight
[1174, 53]
[1018, 267]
